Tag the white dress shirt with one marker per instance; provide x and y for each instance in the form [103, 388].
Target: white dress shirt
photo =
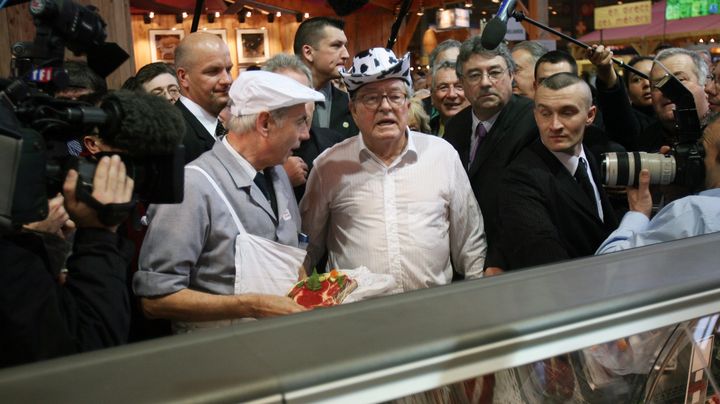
[208, 121]
[406, 219]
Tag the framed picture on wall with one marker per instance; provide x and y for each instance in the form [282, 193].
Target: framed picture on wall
[163, 43]
[252, 45]
[219, 32]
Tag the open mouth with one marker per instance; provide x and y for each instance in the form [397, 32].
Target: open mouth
[386, 122]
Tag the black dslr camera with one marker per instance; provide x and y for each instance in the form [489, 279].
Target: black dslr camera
[35, 127]
[682, 166]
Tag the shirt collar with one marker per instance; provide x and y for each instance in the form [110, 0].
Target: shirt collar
[711, 192]
[488, 124]
[409, 150]
[247, 168]
[570, 161]
[208, 121]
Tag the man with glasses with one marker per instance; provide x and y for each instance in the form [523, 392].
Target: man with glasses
[203, 68]
[447, 96]
[491, 131]
[692, 71]
[393, 200]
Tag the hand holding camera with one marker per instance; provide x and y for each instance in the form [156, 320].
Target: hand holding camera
[111, 185]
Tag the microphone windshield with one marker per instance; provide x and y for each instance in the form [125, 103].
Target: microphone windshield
[493, 33]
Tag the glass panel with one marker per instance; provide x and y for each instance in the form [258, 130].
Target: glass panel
[669, 365]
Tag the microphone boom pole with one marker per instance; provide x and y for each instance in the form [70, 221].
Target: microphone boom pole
[520, 16]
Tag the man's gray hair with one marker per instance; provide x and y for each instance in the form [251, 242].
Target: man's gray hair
[442, 47]
[533, 48]
[700, 67]
[446, 64]
[283, 61]
[246, 123]
[559, 81]
[473, 46]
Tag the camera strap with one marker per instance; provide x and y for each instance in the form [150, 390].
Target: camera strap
[110, 214]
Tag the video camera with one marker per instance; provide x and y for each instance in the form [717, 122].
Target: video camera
[35, 127]
[683, 165]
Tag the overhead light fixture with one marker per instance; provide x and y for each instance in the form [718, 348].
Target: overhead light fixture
[184, 15]
[271, 18]
[468, 4]
[712, 40]
[146, 18]
[298, 17]
[420, 12]
[211, 18]
[278, 14]
[307, 15]
[701, 41]
[217, 14]
[178, 18]
[241, 17]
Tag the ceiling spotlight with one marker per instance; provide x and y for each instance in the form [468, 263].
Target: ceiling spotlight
[701, 41]
[307, 15]
[298, 17]
[152, 14]
[271, 17]
[241, 17]
[217, 14]
[468, 4]
[278, 14]
[211, 18]
[184, 15]
[421, 12]
[712, 40]
[248, 14]
[146, 18]
[178, 18]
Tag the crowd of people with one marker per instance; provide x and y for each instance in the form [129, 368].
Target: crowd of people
[495, 170]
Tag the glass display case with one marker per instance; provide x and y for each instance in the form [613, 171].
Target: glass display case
[631, 327]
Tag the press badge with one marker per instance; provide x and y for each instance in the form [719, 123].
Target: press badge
[286, 215]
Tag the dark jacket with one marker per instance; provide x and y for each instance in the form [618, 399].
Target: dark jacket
[340, 118]
[514, 129]
[197, 140]
[545, 216]
[40, 319]
[629, 126]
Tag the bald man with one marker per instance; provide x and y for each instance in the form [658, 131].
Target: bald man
[553, 203]
[203, 68]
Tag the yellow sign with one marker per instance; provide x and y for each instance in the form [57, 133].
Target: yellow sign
[624, 15]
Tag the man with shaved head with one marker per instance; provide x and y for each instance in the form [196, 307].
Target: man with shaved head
[203, 68]
[553, 206]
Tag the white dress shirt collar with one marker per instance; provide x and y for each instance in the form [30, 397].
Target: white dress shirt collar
[409, 148]
[208, 121]
[247, 168]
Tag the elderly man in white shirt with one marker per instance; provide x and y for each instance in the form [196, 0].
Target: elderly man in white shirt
[393, 200]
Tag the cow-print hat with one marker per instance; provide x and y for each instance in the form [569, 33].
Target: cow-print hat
[376, 64]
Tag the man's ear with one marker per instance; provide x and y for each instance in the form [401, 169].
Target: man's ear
[307, 52]
[591, 115]
[182, 76]
[262, 123]
[91, 143]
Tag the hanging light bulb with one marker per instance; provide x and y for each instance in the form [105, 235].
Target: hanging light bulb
[278, 14]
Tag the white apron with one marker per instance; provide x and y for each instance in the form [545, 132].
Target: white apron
[261, 266]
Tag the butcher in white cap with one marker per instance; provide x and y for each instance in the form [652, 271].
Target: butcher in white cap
[391, 199]
[230, 251]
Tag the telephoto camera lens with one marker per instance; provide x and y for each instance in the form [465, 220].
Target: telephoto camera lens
[623, 169]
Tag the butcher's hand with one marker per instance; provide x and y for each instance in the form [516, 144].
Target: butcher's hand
[271, 306]
[297, 170]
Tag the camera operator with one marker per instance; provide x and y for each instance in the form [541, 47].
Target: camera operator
[42, 319]
[685, 217]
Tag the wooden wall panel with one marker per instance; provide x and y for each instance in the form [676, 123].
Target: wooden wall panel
[18, 26]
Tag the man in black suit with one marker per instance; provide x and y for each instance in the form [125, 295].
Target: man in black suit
[493, 129]
[322, 45]
[203, 68]
[553, 203]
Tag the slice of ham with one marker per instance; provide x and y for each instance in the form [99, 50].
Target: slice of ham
[330, 293]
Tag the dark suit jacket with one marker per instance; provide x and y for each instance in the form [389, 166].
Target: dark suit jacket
[320, 139]
[340, 118]
[197, 140]
[545, 216]
[514, 128]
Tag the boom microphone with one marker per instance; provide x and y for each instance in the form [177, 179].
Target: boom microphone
[496, 29]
